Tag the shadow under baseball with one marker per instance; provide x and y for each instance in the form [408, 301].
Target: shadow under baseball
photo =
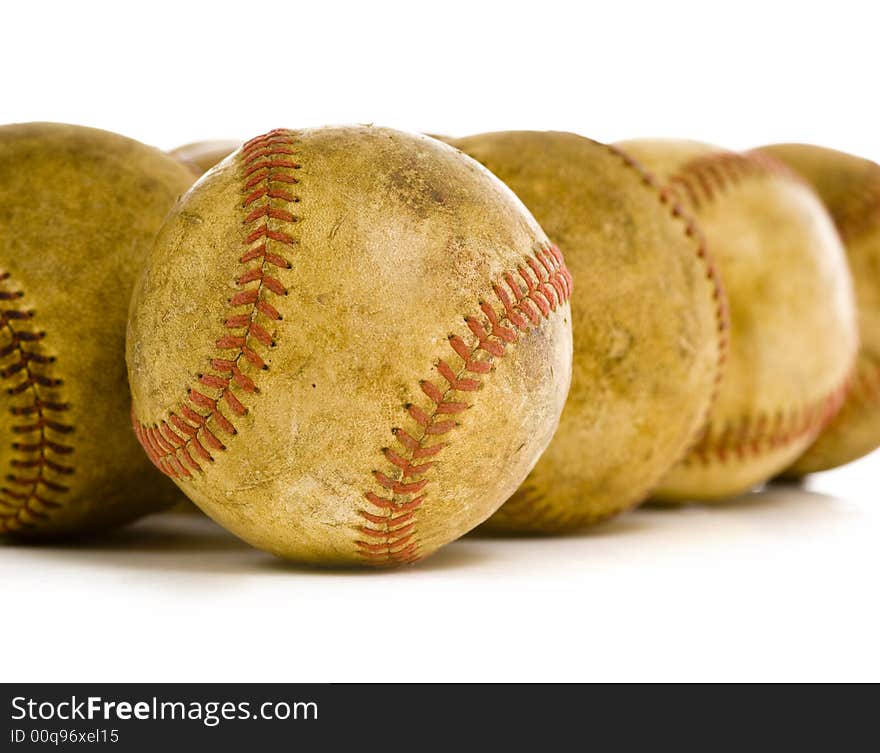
[177, 543]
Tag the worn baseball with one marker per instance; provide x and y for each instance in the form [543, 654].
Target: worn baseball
[793, 335]
[201, 156]
[79, 209]
[849, 186]
[649, 320]
[350, 345]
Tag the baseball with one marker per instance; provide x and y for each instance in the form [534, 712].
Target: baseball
[649, 320]
[78, 211]
[350, 345]
[793, 335]
[850, 188]
[201, 156]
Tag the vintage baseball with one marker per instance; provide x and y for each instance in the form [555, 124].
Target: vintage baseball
[793, 335]
[350, 345]
[201, 156]
[849, 186]
[79, 209]
[649, 322]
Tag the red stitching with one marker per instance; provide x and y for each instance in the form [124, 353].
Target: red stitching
[702, 180]
[190, 435]
[29, 493]
[752, 436]
[543, 285]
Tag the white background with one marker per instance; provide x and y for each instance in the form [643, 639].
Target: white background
[778, 585]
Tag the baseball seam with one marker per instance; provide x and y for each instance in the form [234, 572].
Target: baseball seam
[29, 494]
[192, 433]
[704, 179]
[692, 231]
[699, 183]
[755, 435]
[389, 530]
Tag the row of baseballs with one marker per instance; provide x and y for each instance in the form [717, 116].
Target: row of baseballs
[352, 345]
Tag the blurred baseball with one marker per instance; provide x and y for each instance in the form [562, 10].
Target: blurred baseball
[649, 321]
[793, 335]
[79, 209]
